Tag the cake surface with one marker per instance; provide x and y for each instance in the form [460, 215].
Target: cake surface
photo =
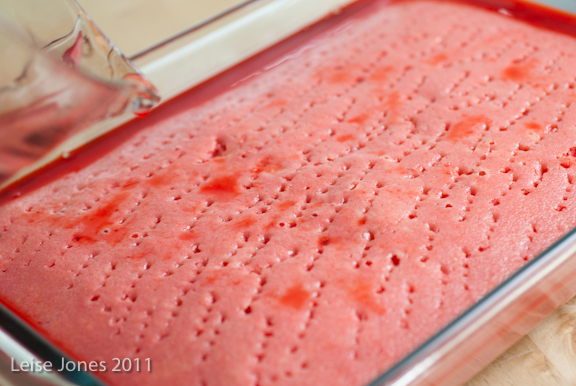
[318, 221]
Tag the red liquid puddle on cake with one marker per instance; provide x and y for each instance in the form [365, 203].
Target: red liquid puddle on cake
[363, 293]
[466, 127]
[245, 223]
[223, 277]
[344, 138]
[519, 72]
[359, 119]
[101, 224]
[338, 243]
[223, 187]
[295, 297]
[534, 126]
[267, 165]
[187, 236]
[286, 205]
[381, 73]
[438, 59]
[391, 105]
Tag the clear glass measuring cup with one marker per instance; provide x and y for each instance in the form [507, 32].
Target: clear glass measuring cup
[58, 75]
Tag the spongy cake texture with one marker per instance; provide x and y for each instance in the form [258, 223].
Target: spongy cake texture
[318, 221]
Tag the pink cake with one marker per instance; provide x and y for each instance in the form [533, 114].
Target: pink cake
[317, 222]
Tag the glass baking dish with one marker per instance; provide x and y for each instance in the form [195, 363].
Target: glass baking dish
[461, 348]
